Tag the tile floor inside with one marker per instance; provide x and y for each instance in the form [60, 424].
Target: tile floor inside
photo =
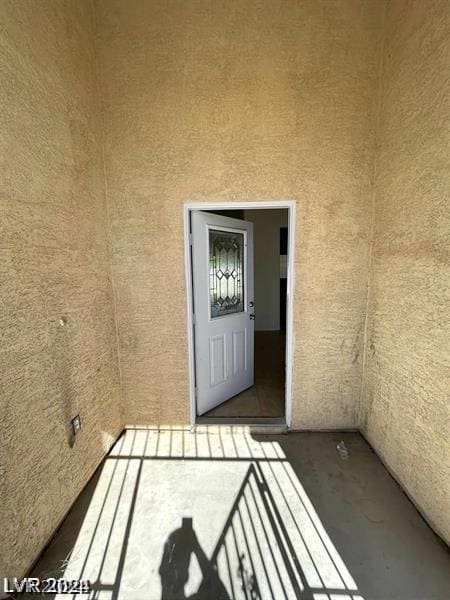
[226, 514]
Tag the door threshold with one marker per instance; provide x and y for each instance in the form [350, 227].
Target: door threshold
[248, 421]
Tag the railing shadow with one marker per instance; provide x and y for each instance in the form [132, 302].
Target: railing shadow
[261, 550]
[138, 539]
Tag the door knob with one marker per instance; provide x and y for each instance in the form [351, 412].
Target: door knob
[251, 304]
[252, 316]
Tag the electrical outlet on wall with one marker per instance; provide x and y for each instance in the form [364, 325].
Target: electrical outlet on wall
[76, 424]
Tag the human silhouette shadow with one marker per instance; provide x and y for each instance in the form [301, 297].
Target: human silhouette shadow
[174, 567]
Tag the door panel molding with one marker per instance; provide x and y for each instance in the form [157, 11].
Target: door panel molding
[222, 360]
[242, 332]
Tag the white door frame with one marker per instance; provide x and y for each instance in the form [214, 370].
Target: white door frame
[256, 205]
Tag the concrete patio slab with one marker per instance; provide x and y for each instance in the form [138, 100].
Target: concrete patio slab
[172, 514]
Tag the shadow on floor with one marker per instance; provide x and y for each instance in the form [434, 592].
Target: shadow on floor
[179, 548]
[175, 515]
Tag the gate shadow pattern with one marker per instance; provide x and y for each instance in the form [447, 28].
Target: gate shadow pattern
[271, 545]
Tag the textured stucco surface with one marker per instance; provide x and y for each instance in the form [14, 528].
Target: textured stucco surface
[252, 100]
[53, 264]
[204, 101]
[406, 401]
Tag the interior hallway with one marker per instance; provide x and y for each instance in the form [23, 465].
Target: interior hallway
[225, 514]
[266, 397]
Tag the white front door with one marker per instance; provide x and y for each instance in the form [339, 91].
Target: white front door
[222, 265]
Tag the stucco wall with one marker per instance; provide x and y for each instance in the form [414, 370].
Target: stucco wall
[53, 264]
[249, 100]
[406, 400]
[217, 101]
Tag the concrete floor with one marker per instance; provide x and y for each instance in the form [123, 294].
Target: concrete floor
[223, 514]
[266, 397]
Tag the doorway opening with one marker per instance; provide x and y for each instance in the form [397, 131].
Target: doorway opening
[239, 278]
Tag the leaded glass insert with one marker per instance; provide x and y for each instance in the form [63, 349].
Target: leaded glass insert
[226, 272]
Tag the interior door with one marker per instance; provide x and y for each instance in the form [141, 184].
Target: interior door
[222, 265]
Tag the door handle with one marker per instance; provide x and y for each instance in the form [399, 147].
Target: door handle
[251, 304]
[252, 317]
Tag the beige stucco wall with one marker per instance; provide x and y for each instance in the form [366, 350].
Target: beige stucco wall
[53, 263]
[251, 100]
[406, 401]
[204, 101]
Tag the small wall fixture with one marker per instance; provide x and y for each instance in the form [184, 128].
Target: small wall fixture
[76, 424]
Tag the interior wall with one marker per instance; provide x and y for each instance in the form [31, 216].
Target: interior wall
[266, 227]
[405, 404]
[53, 265]
[239, 101]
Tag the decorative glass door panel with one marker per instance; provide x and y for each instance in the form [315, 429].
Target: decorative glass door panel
[226, 272]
